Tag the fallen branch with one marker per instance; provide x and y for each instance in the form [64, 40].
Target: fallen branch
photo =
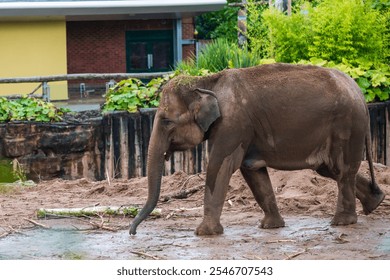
[94, 211]
[252, 257]
[280, 241]
[181, 210]
[340, 239]
[5, 234]
[101, 225]
[296, 255]
[182, 194]
[12, 230]
[36, 223]
[145, 255]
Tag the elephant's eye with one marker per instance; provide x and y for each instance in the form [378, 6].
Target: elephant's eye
[166, 121]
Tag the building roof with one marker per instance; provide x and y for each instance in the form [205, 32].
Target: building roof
[103, 9]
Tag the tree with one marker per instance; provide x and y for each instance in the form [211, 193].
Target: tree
[219, 24]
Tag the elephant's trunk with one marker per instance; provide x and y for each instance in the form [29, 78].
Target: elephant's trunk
[155, 166]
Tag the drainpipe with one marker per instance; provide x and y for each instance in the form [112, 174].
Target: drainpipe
[178, 41]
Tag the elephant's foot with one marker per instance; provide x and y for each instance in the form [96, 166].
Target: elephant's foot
[372, 202]
[369, 195]
[272, 222]
[209, 228]
[343, 219]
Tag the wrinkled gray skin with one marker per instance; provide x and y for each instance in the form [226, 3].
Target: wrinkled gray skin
[280, 116]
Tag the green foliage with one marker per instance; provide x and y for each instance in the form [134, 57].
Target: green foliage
[257, 31]
[219, 24]
[189, 67]
[332, 30]
[132, 94]
[29, 109]
[373, 80]
[288, 35]
[346, 29]
[19, 171]
[6, 171]
[215, 56]
[218, 55]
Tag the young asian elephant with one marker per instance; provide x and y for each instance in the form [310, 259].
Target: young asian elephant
[282, 116]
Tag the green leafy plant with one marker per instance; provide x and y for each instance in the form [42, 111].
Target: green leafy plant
[218, 55]
[373, 79]
[288, 35]
[132, 94]
[347, 29]
[219, 24]
[332, 30]
[29, 109]
[19, 171]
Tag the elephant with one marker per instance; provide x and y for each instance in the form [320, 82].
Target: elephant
[281, 116]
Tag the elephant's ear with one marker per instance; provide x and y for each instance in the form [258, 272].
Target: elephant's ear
[206, 109]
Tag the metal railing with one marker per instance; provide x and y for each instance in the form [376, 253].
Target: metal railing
[44, 80]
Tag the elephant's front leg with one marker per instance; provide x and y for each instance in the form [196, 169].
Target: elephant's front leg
[218, 175]
[260, 184]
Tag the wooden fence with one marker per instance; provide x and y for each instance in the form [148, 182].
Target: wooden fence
[116, 146]
[380, 131]
[127, 139]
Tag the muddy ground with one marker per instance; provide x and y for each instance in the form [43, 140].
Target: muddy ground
[306, 200]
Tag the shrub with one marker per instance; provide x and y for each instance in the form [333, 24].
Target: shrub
[29, 109]
[219, 24]
[289, 36]
[218, 55]
[333, 30]
[132, 94]
[373, 80]
[346, 29]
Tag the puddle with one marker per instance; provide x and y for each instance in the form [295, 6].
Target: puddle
[302, 238]
[385, 245]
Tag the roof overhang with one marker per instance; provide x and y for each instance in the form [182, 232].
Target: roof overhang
[119, 9]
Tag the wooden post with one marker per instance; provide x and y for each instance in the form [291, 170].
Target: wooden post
[289, 7]
[387, 141]
[241, 22]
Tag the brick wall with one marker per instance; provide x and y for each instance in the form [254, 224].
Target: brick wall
[99, 46]
[188, 33]
[188, 28]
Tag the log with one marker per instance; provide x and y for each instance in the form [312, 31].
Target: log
[131, 211]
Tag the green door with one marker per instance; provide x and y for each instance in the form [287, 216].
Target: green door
[149, 51]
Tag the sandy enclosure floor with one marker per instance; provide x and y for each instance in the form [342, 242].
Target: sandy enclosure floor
[306, 201]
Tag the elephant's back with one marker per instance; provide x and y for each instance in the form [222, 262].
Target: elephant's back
[293, 84]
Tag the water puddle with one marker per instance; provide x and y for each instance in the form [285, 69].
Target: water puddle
[302, 238]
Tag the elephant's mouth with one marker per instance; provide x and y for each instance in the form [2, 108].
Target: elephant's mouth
[167, 155]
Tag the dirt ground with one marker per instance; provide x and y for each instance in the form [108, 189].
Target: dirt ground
[306, 201]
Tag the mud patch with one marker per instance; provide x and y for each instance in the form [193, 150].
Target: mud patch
[306, 200]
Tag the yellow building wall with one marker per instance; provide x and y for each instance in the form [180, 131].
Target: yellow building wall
[33, 49]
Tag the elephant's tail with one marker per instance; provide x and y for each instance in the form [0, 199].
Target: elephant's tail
[373, 184]
[373, 196]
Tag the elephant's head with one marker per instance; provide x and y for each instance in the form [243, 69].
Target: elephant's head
[185, 114]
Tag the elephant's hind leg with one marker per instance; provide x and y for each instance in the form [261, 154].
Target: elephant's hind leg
[369, 194]
[346, 203]
[260, 184]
